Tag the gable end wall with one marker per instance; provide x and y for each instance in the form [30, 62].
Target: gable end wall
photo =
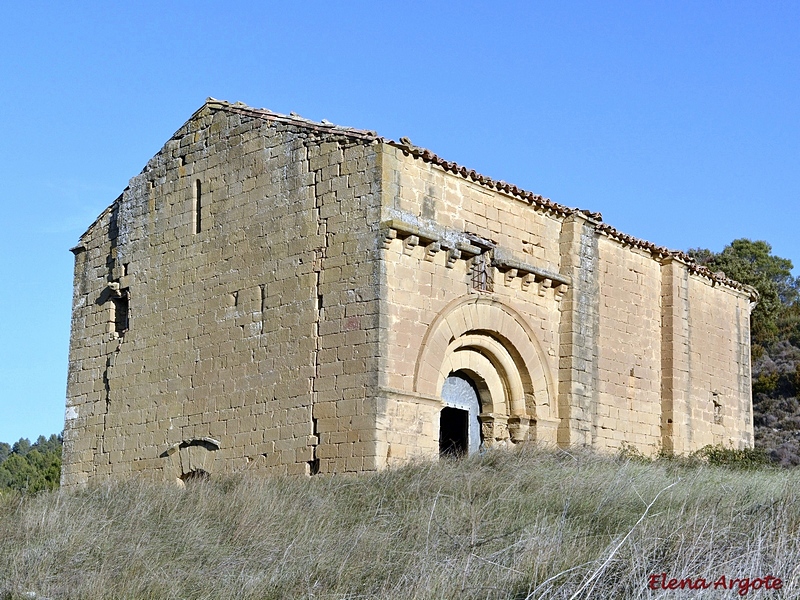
[258, 332]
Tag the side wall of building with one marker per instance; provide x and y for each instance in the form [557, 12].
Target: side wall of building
[244, 259]
[719, 355]
[706, 354]
[90, 349]
[628, 406]
[612, 344]
[438, 317]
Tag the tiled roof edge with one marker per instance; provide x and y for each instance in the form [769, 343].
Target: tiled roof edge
[663, 254]
[545, 204]
[536, 200]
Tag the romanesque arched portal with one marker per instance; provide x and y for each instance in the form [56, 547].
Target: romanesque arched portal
[489, 344]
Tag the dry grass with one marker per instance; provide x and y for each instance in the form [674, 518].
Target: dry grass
[529, 524]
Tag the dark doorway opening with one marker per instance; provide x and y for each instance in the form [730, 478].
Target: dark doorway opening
[453, 431]
[460, 393]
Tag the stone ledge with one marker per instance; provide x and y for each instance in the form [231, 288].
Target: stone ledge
[504, 262]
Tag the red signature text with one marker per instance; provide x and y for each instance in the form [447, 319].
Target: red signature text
[743, 585]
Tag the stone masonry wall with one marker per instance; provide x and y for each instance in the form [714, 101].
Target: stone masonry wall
[706, 363]
[719, 411]
[608, 339]
[258, 332]
[422, 280]
[579, 324]
[628, 408]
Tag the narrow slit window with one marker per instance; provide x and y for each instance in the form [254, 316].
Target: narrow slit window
[482, 273]
[198, 204]
[120, 314]
[717, 408]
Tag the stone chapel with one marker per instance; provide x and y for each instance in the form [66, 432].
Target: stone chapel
[297, 297]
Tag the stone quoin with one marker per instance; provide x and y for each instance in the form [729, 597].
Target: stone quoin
[297, 297]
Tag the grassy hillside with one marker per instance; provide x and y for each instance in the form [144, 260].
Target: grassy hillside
[528, 524]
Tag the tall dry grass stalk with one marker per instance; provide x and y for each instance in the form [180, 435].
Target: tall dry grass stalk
[531, 524]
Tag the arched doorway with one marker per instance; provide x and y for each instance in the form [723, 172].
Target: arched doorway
[191, 460]
[492, 345]
[459, 428]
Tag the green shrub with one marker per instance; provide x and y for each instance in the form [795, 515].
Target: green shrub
[723, 456]
[766, 383]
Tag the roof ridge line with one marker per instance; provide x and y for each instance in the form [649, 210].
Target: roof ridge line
[292, 118]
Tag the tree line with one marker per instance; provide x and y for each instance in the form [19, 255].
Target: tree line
[30, 468]
[775, 341]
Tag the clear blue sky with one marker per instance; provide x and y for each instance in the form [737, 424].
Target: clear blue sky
[677, 120]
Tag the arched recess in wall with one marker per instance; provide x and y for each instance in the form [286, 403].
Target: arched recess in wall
[192, 460]
[491, 343]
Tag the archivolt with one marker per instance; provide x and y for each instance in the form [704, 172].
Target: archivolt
[475, 348]
[482, 334]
